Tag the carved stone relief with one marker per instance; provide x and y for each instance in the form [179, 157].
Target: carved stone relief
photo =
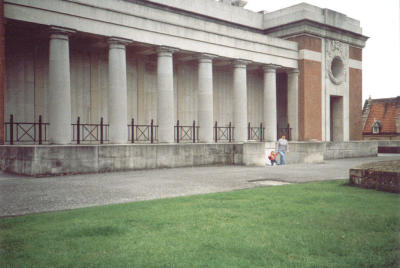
[337, 61]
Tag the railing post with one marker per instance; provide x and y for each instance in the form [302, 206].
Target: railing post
[151, 131]
[78, 130]
[133, 130]
[216, 132]
[177, 131]
[101, 130]
[261, 132]
[288, 132]
[194, 131]
[11, 129]
[230, 132]
[248, 131]
[40, 130]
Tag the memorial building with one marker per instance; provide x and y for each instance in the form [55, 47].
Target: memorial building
[109, 73]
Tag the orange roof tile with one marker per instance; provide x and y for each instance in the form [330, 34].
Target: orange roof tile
[385, 111]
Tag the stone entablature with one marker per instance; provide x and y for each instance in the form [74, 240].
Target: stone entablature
[157, 27]
[308, 19]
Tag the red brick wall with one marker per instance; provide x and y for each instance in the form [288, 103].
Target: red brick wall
[2, 71]
[310, 109]
[308, 42]
[355, 53]
[355, 96]
[310, 90]
[355, 103]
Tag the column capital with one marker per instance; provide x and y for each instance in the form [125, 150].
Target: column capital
[240, 63]
[57, 32]
[116, 42]
[204, 57]
[293, 71]
[61, 30]
[270, 68]
[166, 51]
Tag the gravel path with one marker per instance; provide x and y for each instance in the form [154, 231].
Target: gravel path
[24, 195]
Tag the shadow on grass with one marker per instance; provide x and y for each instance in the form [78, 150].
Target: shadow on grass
[103, 231]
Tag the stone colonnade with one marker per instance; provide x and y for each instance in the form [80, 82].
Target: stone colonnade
[60, 96]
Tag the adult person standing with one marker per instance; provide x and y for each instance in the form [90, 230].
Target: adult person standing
[282, 148]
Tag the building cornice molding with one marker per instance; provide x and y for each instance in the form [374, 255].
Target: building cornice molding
[312, 28]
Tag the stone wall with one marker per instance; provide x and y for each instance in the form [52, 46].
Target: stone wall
[389, 146]
[382, 175]
[337, 150]
[388, 143]
[305, 152]
[47, 160]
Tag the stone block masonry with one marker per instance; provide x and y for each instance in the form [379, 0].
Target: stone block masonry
[73, 159]
[338, 150]
[49, 160]
[382, 175]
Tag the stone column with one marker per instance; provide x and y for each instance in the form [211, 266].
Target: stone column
[165, 94]
[205, 98]
[240, 99]
[117, 91]
[293, 103]
[59, 103]
[270, 111]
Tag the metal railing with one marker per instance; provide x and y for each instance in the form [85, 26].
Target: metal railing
[142, 133]
[255, 133]
[90, 133]
[223, 133]
[25, 132]
[285, 131]
[186, 133]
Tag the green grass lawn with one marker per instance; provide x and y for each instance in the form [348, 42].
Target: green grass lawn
[324, 224]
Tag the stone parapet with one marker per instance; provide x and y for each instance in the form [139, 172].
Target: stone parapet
[382, 175]
[49, 160]
[389, 146]
[305, 152]
[338, 150]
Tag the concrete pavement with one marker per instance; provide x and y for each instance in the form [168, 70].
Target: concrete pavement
[24, 195]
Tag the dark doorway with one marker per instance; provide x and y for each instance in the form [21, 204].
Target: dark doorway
[336, 122]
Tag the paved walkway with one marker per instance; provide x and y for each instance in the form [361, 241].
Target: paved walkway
[24, 195]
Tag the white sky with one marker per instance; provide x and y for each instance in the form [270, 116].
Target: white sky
[380, 22]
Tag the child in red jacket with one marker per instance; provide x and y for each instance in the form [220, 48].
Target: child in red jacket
[272, 157]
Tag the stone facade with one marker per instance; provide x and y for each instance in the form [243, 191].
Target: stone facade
[336, 57]
[172, 60]
[182, 62]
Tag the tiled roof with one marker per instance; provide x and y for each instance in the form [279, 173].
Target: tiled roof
[383, 110]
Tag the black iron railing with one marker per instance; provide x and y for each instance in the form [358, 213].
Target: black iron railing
[142, 133]
[223, 133]
[287, 131]
[26, 132]
[255, 133]
[186, 133]
[90, 133]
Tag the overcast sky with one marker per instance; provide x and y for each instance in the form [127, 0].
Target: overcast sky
[380, 22]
